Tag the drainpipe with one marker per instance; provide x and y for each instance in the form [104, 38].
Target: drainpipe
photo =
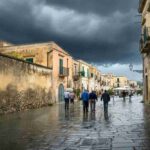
[67, 72]
[47, 58]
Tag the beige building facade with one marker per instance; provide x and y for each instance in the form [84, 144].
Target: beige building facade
[144, 9]
[49, 55]
[84, 72]
[66, 71]
[121, 81]
[76, 74]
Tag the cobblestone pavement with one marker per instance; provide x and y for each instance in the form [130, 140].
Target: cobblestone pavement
[125, 127]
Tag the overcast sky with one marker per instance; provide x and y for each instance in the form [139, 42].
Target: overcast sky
[98, 31]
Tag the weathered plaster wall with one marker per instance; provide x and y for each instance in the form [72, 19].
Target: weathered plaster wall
[23, 85]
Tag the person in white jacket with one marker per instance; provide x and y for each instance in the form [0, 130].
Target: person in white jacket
[66, 98]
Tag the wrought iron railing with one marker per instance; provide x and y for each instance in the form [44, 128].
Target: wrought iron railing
[63, 71]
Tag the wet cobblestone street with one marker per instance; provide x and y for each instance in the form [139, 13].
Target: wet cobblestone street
[125, 127]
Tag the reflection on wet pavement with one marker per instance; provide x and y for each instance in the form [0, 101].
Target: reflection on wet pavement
[124, 127]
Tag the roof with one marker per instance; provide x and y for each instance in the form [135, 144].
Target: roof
[37, 44]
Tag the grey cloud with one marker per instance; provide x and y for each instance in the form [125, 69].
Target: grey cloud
[99, 31]
[103, 7]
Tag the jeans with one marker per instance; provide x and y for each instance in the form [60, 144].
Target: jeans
[72, 101]
[106, 107]
[85, 106]
[92, 104]
[66, 103]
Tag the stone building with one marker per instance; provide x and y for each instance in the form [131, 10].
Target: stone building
[98, 87]
[49, 55]
[92, 78]
[23, 85]
[121, 81]
[84, 72]
[105, 82]
[76, 74]
[144, 9]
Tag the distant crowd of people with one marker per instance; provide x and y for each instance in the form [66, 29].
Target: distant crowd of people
[125, 94]
[69, 98]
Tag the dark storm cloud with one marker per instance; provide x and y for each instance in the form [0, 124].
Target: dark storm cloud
[103, 7]
[99, 31]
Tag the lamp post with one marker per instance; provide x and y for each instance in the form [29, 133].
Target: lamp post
[131, 67]
[137, 71]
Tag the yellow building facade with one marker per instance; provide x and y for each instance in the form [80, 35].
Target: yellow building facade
[144, 9]
[66, 71]
[49, 55]
[121, 81]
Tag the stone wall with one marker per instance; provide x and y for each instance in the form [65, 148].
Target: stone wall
[23, 85]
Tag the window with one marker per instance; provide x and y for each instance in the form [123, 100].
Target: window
[75, 71]
[83, 72]
[118, 80]
[88, 73]
[61, 66]
[29, 60]
[82, 68]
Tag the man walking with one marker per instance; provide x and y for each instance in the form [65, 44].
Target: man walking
[105, 98]
[66, 97]
[72, 97]
[93, 98]
[85, 99]
[124, 95]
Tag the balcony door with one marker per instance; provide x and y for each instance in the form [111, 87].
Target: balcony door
[60, 66]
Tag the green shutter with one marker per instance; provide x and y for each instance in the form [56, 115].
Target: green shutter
[60, 66]
[29, 60]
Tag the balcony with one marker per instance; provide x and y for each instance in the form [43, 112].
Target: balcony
[63, 72]
[82, 73]
[99, 79]
[141, 5]
[76, 77]
[145, 41]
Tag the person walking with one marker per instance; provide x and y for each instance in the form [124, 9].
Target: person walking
[66, 97]
[105, 98]
[93, 99]
[72, 97]
[130, 95]
[124, 95]
[85, 99]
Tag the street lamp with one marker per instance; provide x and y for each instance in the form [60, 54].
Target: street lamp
[131, 67]
[137, 71]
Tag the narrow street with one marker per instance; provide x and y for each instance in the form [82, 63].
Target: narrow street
[126, 127]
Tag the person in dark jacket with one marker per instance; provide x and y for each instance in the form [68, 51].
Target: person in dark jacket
[92, 98]
[105, 98]
[85, 99]
[124, 95]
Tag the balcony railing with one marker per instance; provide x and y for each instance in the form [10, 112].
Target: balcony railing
[145, 41]
[76, 77]
[63, 72]
[84, 74]
[99, 79]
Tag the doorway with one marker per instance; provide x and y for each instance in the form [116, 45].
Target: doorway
[61, 93]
